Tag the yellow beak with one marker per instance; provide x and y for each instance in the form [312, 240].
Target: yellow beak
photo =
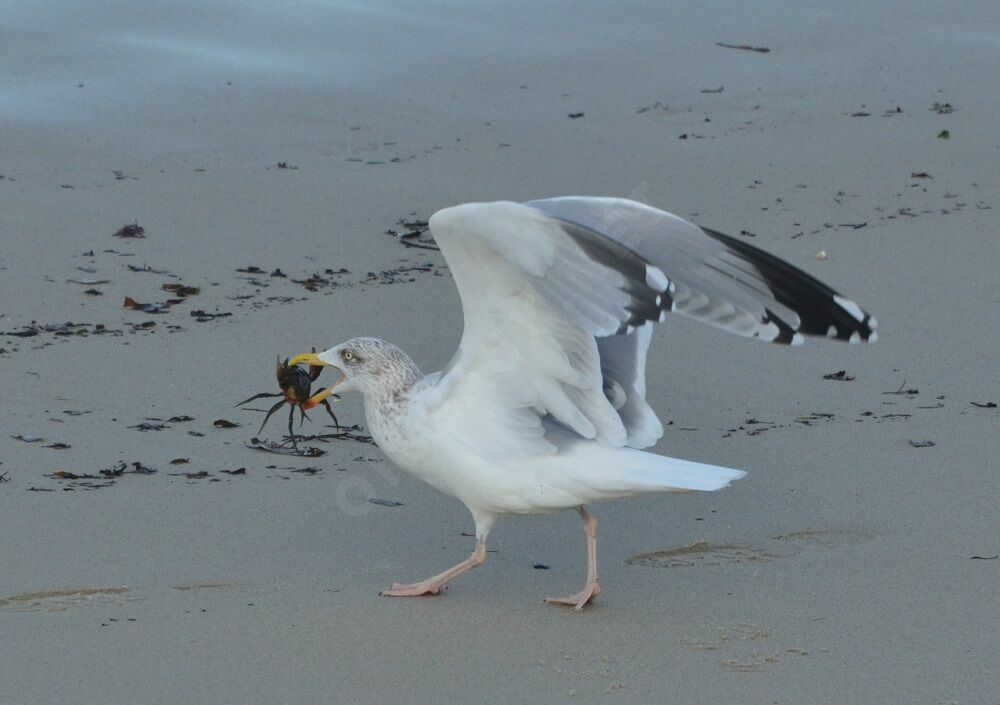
[312, 359]
[307, 359]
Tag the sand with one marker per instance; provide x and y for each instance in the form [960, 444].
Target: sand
[849, 567]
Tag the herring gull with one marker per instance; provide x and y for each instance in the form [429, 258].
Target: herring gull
[543, 406]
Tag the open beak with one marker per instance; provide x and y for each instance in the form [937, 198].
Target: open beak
[312, 359]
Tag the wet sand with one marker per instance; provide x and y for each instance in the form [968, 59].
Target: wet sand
[850, 566]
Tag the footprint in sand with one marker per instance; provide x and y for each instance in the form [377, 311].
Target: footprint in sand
[703, 553]
[745, 648]
[827, 538]
[60, 600]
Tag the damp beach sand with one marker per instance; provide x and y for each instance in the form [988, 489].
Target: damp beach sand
[251, 161]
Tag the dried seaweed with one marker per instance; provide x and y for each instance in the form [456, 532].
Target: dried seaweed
[281, 449]
[131, 230]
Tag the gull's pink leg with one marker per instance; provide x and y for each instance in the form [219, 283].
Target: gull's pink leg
[432, 586]
[592, 589]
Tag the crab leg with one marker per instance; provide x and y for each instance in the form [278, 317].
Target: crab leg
[332, 415]
[291, 431]
[270, 411]
[259, 396]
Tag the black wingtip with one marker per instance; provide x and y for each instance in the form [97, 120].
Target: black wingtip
[821, 310]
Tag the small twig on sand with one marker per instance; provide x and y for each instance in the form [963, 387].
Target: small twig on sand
[745, 47]
[903, 391]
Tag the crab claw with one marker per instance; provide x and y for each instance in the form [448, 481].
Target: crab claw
[314, 370]
[314, 362]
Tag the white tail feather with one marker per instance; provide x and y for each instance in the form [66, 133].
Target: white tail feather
[595, 472]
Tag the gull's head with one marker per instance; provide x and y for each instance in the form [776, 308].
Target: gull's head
[366, 365]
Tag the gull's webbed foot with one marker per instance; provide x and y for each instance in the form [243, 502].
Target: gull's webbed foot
[581, 599]
[427, 587]
[432, 586]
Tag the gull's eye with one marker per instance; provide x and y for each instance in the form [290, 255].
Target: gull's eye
[348, 356]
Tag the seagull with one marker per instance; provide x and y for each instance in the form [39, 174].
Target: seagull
[543, 406]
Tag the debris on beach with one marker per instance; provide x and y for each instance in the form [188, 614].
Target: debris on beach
[414, 234]
[840, 376]
[813, 417]
[203, 316]
[311, 470]
[986, 405]
[922, 444]
[398, 275]
[744, 47]
[225, 423]
[163, 307]
[131, 230]
[148, 270]
[385, 502]
[150, 426]
[66, 475]
[350, 433]
[108, 475]
[281, 449]
[191, 475]
[317, 281]
[67, 329]
[903, 391]
[237, 471]
[181, 290]
[122, 468]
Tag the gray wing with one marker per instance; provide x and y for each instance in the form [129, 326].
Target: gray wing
[673, 265]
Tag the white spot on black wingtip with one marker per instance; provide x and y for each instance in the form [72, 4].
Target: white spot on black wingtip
[797, 340]
[663, 315]
[768, 331]
[629, 330]
[855, 338]
[849, 306]
[873, 337]
[659, 301]
[831, 332]
[872, 323]
[656, 279]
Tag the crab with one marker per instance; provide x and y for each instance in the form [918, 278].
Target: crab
[295, 384]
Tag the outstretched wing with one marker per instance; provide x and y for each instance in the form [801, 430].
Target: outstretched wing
[709, 276]
[559, 297]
